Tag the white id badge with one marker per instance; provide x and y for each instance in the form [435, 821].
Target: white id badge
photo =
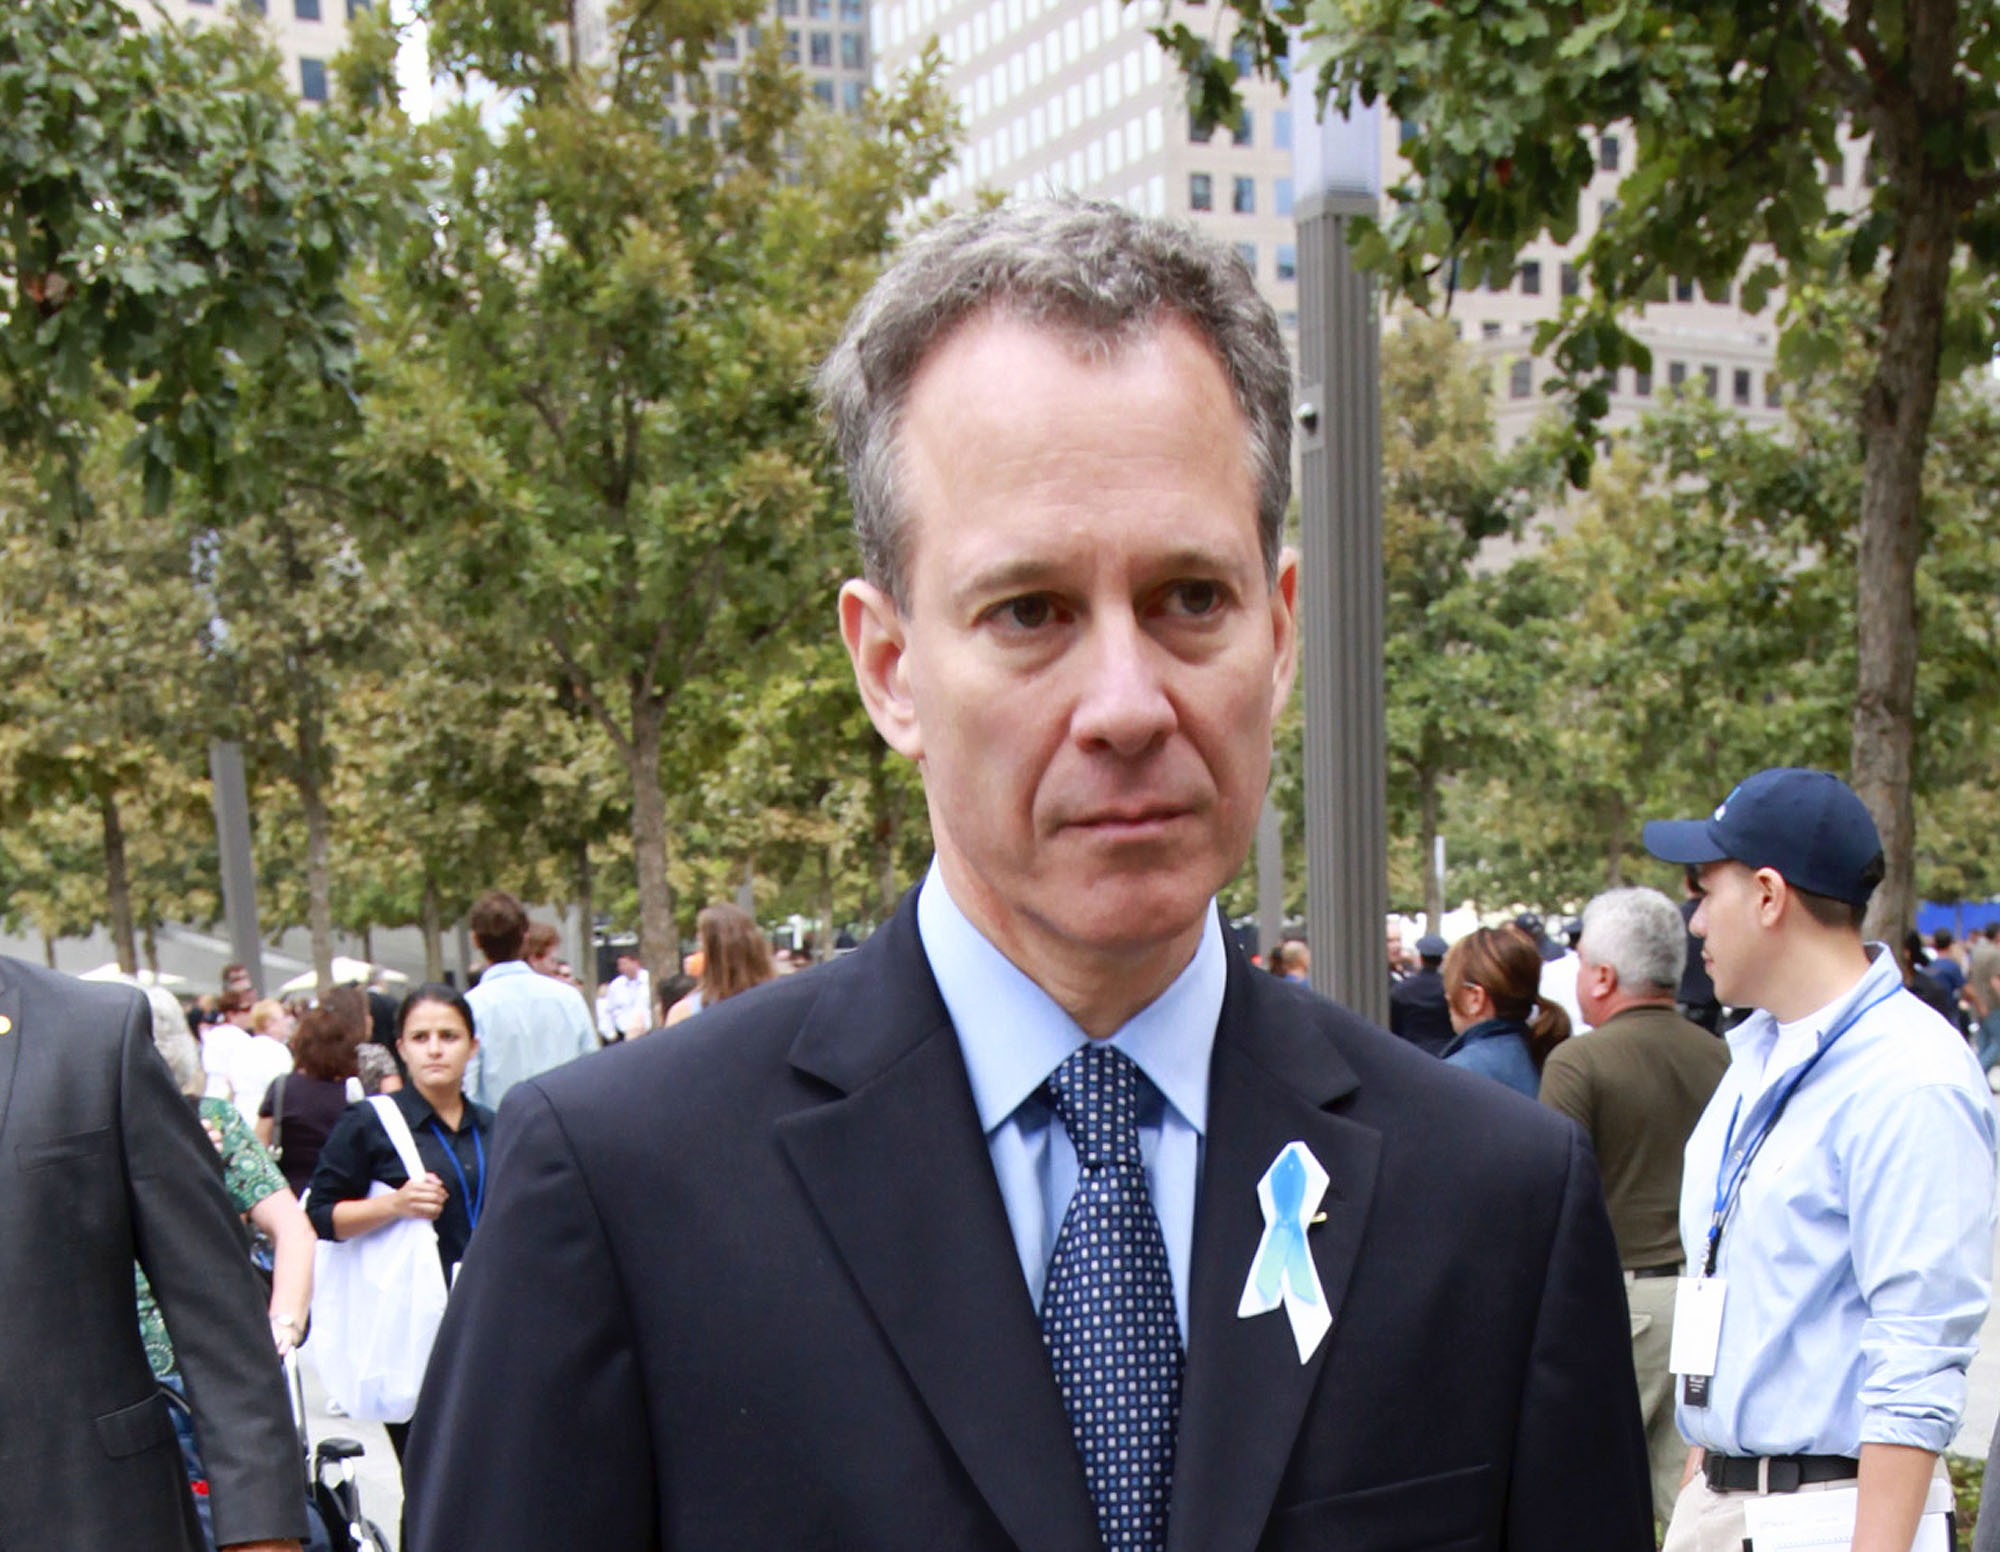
[1697, 1335]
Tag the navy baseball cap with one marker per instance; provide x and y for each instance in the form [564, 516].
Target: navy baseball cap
[1431, 946]
[1806, 825]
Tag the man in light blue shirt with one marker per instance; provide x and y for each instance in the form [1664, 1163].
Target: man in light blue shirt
[1838, 1188]
[527, 1022]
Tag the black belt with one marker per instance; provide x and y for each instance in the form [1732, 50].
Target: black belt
[1671, 1269]
[1776, 1473]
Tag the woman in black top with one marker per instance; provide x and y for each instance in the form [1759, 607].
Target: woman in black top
[435, 1039]
[300, 1110]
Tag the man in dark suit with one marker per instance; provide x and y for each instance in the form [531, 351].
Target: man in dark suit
[1042, 1220]
[1418, 1008]
[102, 1163]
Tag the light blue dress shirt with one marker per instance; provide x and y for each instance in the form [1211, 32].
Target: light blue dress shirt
[1858, 1258]
[1014, 1035]
[527, 1023]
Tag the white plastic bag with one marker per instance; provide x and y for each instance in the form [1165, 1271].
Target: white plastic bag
[377, 1301]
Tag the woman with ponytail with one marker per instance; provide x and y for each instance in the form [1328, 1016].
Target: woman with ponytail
[1505, 1027]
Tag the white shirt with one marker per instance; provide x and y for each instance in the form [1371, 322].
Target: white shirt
[626, 1007]
[258, 1061]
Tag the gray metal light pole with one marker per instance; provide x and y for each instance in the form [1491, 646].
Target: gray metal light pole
[239, 868]
[1338, 172]
[1270, 880]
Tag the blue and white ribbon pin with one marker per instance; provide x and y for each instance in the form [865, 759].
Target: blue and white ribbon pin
[1282, 1272]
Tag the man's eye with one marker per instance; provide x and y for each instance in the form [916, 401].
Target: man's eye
[1029, 613]
[1196, 598]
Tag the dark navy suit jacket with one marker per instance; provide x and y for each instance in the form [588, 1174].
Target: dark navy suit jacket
[748, 1284]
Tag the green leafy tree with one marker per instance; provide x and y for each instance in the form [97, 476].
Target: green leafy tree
[168, 211]
[1735, 111]
[596, 374]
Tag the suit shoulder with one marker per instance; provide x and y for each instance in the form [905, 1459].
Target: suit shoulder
[85, 1010]
[722, 1056]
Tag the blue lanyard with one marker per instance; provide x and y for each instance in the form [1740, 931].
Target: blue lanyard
[1727, 1193]
[471, 1199]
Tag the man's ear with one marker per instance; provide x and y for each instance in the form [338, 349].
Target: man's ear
[1774, 895]
[876, 638]
[1285, 629]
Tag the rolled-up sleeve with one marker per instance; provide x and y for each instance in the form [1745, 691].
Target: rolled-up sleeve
[1922, 1219]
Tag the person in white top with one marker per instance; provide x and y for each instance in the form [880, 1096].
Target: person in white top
[625, 1007]
[266, 1055]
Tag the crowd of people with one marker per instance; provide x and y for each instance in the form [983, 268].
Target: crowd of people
[1043, 1218]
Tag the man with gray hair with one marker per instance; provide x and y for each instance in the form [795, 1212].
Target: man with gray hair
[1042, 1220]
[1637, 1086]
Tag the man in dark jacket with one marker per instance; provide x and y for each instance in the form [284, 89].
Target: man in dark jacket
[102, 1164]
[1417, 1009]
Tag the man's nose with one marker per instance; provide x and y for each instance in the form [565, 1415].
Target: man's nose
[1124, 705]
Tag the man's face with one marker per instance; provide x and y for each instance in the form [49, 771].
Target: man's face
[1395, 948]
[628, 965]
[547, 964]
[1091, 656]
[1730, 923]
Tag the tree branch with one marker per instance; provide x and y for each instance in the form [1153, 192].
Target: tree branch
[579, 680]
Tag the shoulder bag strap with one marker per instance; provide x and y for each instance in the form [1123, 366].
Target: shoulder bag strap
[399, 1135]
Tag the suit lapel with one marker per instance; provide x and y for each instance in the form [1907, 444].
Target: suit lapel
[10, 1041]
[1274, 1071]
[898, 1170]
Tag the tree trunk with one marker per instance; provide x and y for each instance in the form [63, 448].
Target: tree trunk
[319, 878]
[368, 944]
[1427, 833]
[1896, 414]
[586, 964]
[432, 928]
[823, 950]
[149, 943]
[659, 944]
[1614, 844]
[49, 950]
[118, 883]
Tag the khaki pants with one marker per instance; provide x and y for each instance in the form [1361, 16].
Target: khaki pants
[1650, 1303]
[1706, 1521]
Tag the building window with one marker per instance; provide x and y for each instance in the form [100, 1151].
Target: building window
[1742, 385]
[1489, 329]
[851, 94]
[820, 10]
[725, 85]
[1642, 382]
[1281, 196]
[820, 50]
[1566, 280]
[355, 8]
[1521, 379]
[1531, 278]
[1677, 374]
[823, 92]
[1200, 131]
[1683, 290]
[1243, 199]
[1288, 261]
[1406, 131]
[306, 10]
[854, 51]
[1201, 191]
[851, 11]
[791, 49]
[1242, 130]
[725, 46]
[1607, 152]
[1281, 129]
[1711, 382]
[788, 7]
[312, 80]
[1247, 252]
[1239, 56]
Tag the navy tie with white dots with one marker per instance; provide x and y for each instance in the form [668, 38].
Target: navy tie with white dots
[1108, 1306]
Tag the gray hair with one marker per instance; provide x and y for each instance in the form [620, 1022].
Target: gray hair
[176, 1042]
[1638, 933]
[1085, 268]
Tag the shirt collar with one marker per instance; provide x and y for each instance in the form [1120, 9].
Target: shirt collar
[506, 967]
[1758, 1034]
[1013, 1034]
